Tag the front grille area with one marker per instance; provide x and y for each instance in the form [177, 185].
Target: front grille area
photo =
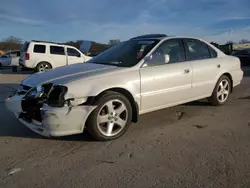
[31, 108]
[28, 116]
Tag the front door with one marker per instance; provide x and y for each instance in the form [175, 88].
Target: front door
[74, 56]
[166, 84]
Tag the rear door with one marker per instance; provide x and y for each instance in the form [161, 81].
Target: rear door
[206, 67]
[74, 56]
[57, 55]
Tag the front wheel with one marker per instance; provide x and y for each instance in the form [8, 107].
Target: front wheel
[221, 91]
[111, 118]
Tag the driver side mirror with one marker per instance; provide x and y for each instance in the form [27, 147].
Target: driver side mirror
[157, 59]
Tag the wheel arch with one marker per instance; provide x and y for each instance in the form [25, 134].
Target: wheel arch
[44, 62]
[126, 93]
[230, 78]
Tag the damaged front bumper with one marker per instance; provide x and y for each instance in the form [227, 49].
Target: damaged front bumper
[50, 121]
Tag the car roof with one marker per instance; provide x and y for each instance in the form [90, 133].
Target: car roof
[41, 41]
[150, 36]
[162, 37]
[53, 43]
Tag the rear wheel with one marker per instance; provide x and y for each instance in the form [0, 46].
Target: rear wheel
[221, 91]
[111, 118]
[43, 67]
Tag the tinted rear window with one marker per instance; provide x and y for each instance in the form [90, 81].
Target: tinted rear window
[57, 50]
[39, 49]
[25, 47]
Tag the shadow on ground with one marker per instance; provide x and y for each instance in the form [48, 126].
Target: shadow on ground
[246, 71]
[8, 70]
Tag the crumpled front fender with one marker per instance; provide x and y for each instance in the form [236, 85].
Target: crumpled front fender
[65, 119]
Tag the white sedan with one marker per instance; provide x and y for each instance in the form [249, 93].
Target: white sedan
[110, 91]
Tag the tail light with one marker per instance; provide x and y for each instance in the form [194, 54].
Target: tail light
[27, 56]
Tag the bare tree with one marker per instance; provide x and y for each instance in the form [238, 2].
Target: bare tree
[11, 43]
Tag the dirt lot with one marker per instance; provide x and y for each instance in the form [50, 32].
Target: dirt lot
[192, 145]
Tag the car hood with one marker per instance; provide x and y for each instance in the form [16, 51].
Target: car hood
[66, 74]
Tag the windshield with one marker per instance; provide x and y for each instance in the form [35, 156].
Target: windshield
[125, 54]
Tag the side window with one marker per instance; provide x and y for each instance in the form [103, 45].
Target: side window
[73, 52]
[57, 50]
[39, 49]
[174, 48]
[197, 50]
[213, 53]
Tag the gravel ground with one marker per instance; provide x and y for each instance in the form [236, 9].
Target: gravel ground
[191, 145]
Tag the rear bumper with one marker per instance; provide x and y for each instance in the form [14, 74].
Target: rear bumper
[21, 63]
[237, 76]
[25, 64]
[54, 121]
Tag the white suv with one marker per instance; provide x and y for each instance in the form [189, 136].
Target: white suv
[42, 56]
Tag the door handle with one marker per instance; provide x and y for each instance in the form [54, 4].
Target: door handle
[186, 71]
[218, 66]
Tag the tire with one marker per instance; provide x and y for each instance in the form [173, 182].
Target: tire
[1, 66]
[108, 122]
[220, 95]
[43, 67]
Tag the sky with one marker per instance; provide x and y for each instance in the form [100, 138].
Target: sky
[101, 20]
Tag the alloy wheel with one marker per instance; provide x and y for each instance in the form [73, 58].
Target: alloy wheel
[112, 118]
[43, 67]
[223, 91]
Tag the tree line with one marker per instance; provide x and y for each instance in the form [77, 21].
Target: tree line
[15, 43]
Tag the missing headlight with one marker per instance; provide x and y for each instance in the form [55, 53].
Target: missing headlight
[56, 96]
[39, 91]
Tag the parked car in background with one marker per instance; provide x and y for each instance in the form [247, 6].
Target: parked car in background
[141, 75]
[10, 58]
[244, 56]
[42, 56]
